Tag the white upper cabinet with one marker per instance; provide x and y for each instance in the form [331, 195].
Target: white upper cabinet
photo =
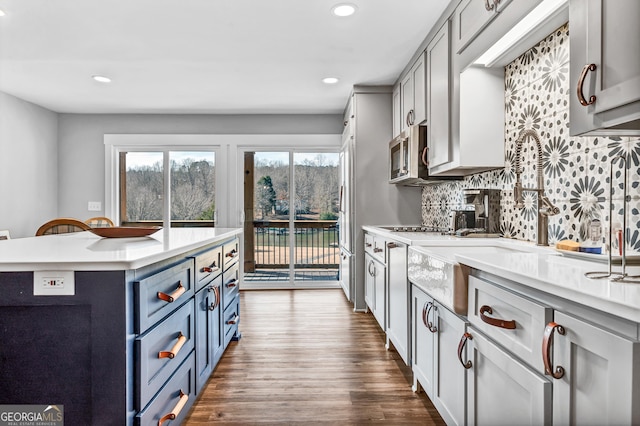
[472, 16]
[479, 24]
[396, 110]
[439, 97]
[605, 67]
[412, 94]
[465, 112]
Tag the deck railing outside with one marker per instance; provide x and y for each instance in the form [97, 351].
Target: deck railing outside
[316, 244]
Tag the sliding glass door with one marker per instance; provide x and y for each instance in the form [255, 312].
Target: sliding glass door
[291, 207]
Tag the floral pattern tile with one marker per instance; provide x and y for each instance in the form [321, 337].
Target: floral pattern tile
[576, 169]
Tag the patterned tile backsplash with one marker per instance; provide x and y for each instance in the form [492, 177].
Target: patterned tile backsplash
[576, 169]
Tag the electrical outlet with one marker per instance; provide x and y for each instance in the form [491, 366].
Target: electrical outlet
[53, 283]
[94, 206]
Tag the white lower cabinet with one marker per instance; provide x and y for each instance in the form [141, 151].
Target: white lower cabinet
[501, 389]
[599, 374]
[436, 332]
[375, 288]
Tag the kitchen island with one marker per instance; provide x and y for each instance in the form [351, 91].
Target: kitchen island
[116, 330]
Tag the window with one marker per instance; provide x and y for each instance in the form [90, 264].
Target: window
[189, 179]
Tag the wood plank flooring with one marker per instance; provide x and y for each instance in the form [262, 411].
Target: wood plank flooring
[306, 357]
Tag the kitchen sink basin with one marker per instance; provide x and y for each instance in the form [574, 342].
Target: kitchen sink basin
[436, 270]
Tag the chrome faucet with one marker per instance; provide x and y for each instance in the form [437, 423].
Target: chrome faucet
[545, 207]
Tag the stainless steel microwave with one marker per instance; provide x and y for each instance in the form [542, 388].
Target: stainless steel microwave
[408, 156]
[408, 159]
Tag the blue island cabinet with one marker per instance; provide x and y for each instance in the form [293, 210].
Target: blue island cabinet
[130, 347]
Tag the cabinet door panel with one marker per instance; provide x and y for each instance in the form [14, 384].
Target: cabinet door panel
[603, 33]
[380, 300]
[473, 17]
[438, 97]
[449, 385]
[502, 390]
[422, 343]
[419, 76]
[369, 282]
[396, 111]
[398, 314]
[406, 88]
[598, 386]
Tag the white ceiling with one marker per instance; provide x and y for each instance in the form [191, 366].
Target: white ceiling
[204, 56]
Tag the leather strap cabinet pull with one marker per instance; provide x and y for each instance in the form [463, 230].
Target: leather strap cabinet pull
[466, 336]
[232, 253]
[175, 349]
[583, 75]
[232, 283]
[234, 320]
[209, 269]
[176, 410]
[508, 324]
[170, 298]
[547, 343]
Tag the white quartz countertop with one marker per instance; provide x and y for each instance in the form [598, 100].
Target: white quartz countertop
[563, 277]
[541, 268]
[85, 251]
[423, 238]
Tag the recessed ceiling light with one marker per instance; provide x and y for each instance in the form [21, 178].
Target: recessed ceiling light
[101, 78]
[343, 9]
[330, 80]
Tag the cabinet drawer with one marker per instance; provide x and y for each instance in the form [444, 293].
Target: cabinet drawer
[177, 396]
[231, 252]
[208, 266]
[493, 309]
[231, 320]
[162, 293]
[161, 351]
[368, 243]
[230, 284]
[375, 245]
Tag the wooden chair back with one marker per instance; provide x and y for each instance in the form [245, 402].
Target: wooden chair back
[100, 222]
[62, 225]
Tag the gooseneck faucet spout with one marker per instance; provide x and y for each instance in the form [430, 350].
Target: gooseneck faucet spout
[545, 207]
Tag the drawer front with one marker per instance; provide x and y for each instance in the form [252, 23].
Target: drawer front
[177, 396]
[208, 266]
[231, 319]
[231, 252]
[162, 293]
[230, 284]
[379, 249]
[161, 351]
[368, 243]
[513, 321]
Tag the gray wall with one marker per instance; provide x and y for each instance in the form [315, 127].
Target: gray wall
[81, 144]
[28, 166]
